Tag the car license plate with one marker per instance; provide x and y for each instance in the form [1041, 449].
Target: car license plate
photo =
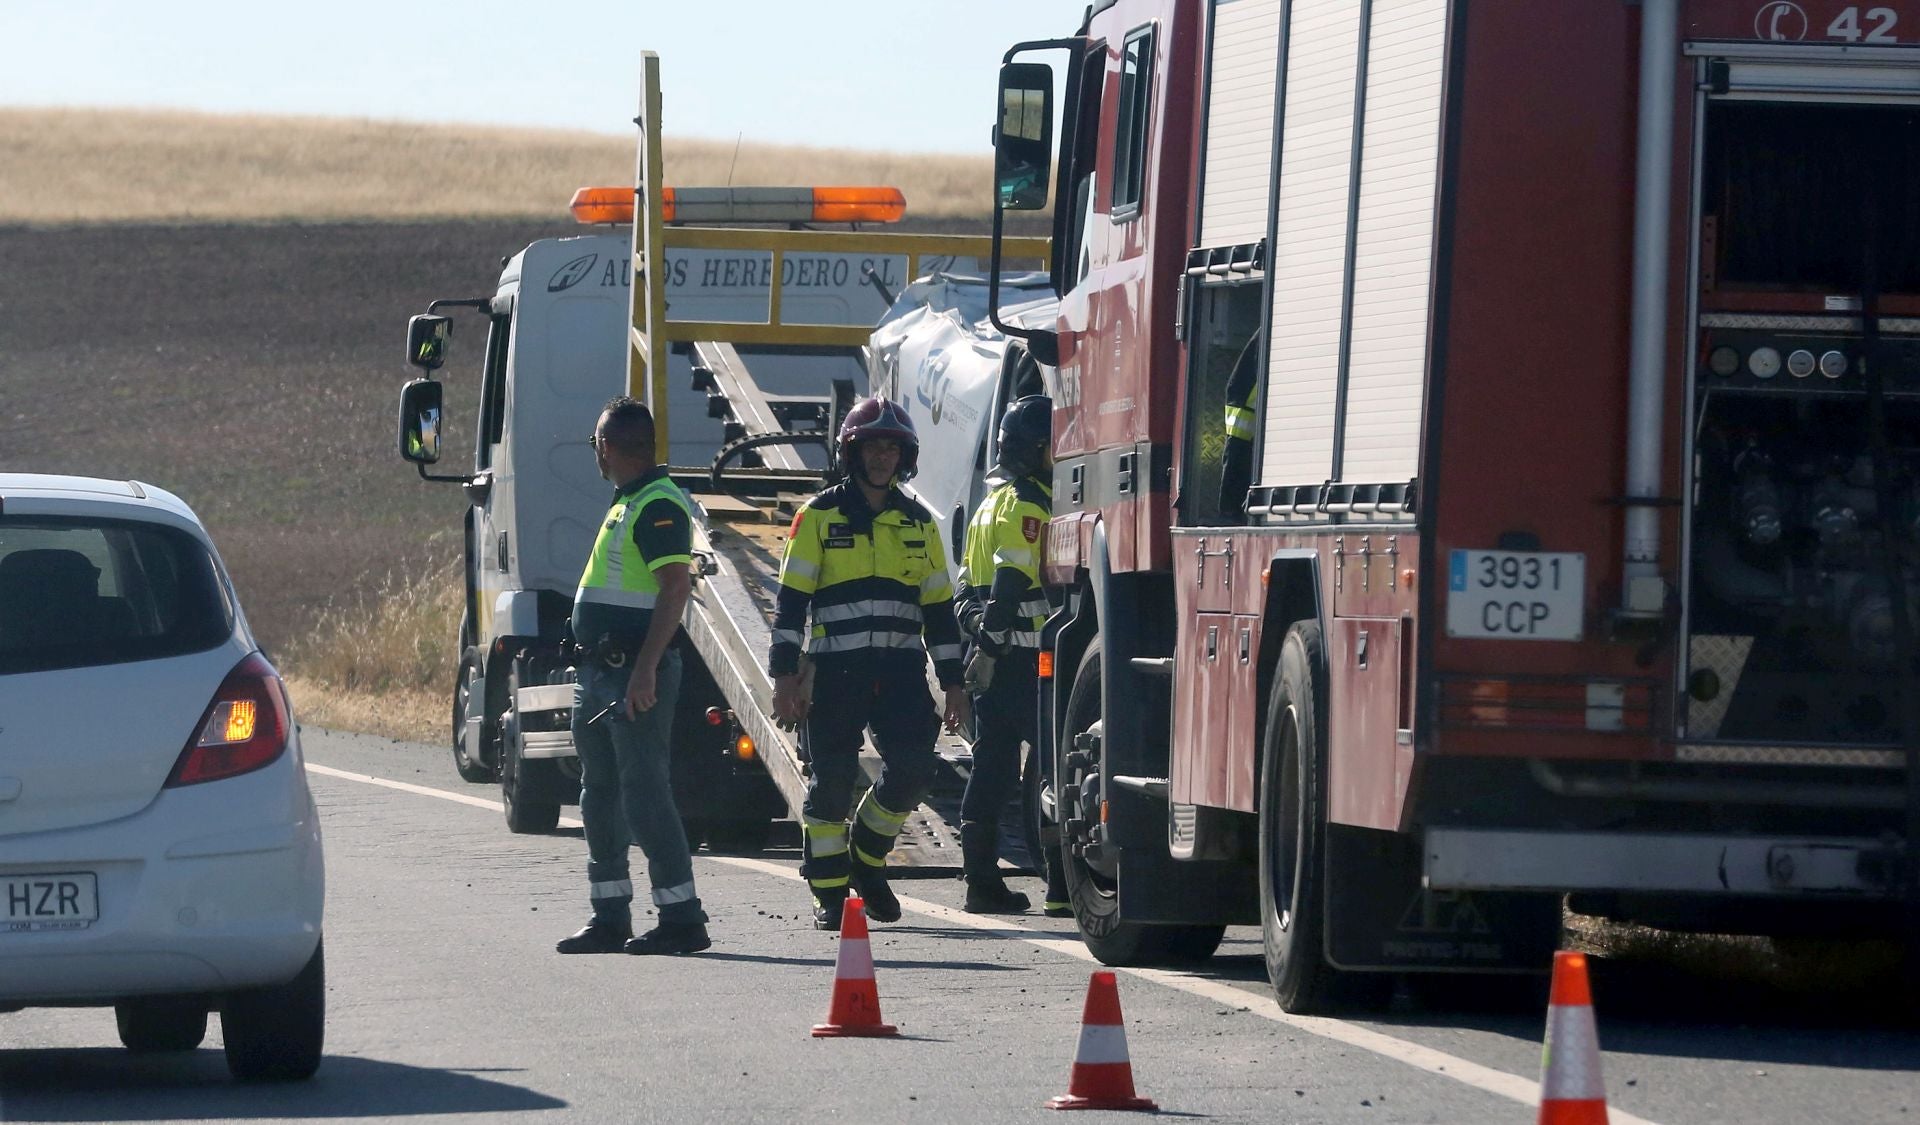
[66, 901]
[1516, 595]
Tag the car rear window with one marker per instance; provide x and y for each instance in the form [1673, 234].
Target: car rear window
[76, 593]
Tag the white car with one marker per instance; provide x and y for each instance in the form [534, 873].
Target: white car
[159, 848]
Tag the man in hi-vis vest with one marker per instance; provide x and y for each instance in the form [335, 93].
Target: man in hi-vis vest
[625, 616]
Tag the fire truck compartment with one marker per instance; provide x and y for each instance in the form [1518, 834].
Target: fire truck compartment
[1808, 282]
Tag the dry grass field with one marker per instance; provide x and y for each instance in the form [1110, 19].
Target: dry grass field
[92, 166]
[217, 306]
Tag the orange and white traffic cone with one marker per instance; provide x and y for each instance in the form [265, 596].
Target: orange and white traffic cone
[1570, 1089]
[855, 1010]
[1102, 1075]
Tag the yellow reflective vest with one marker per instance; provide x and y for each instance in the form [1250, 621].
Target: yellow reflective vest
[1001, 601]
[871, 581]
[649, 526]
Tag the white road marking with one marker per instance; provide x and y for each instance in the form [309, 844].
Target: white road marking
[1484, 1078]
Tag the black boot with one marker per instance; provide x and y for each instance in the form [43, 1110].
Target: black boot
[828, 907]
[871, 882]
[987, 892]
[596, 937]
[674, 937]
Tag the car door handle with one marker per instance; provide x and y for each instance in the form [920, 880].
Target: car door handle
[9, 788]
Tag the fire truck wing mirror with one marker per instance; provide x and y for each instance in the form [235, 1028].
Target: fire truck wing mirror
[1023, 136]
[427, 337]
[1043, 344]
[420, 413]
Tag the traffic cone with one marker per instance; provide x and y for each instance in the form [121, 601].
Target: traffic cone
[856, 998]
[1102, 1076]
[1570, 1088]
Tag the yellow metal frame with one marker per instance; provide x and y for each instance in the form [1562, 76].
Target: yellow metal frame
[652, 332]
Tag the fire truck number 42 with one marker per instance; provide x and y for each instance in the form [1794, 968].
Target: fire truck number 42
[1784, 20]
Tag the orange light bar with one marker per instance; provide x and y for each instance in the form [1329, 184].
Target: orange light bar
[593, 205]
[858, 205]
[743, 747]
[1046, 665]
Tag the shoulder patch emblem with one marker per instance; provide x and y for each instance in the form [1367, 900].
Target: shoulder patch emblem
[1030, 527]
[793, 528]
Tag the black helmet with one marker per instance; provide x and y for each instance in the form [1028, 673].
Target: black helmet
[1026, 434]
[878, 417]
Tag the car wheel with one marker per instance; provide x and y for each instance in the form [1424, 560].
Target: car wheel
[161, 1023]
[466, 758]
[274, 1034]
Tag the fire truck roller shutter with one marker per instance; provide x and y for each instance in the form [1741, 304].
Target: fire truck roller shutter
[1394, 231]
[1243, 56]
[1307, 253]
[1350, 312]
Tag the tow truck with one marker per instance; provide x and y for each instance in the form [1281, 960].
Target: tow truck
[702, 281]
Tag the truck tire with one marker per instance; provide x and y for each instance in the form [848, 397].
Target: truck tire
[466, 759]
[1095, 893]
[526, 789]
[1293, 826]
[274, 1034]
[161, 1023]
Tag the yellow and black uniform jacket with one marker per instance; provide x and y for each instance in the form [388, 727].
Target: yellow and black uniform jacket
[1002, 604]
[873, 581]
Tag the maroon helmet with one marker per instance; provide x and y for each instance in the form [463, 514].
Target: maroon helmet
[879, 418]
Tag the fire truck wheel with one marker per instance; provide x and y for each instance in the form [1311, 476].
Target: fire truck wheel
[1091, 883]
[1293, 827]
[466, 684]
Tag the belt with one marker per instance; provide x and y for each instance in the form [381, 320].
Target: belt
[611, 651]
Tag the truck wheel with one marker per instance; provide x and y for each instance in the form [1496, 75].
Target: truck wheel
[525, 786]
[161, 1023]
[1293, 828]
[274, 1034]
[466, 685]
[1093, 885]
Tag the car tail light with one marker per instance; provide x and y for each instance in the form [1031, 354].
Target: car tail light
[243, 729]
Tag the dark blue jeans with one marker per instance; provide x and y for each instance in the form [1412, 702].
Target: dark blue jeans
[626, 795]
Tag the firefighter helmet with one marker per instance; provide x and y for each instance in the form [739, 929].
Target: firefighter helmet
[1026, 433]
[879, 418]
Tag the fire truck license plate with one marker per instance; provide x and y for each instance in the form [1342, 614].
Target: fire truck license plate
[1516, 595]
[48, 902]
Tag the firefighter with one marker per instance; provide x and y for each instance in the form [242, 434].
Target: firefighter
[1236, 462]
[1002, 608]
[865, 560]
[626, 614]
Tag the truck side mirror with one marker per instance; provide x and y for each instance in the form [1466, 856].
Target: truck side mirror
[420, 403]
[1023, 136]
[427, 337]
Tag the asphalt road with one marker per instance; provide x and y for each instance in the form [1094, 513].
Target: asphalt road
[447, 1001]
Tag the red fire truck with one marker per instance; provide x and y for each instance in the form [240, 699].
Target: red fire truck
[1584, 459]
